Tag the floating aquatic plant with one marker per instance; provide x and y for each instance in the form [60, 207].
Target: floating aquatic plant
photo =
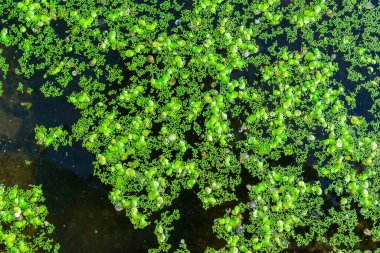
[4, 69]
[51, 137]
[177, 96]
[23, 224]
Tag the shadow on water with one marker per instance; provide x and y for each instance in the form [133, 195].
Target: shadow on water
[84, 218]
[195, 223]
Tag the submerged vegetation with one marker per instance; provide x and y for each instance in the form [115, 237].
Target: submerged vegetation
[179, 95]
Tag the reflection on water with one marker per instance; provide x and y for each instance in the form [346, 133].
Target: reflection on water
[14, 170]
[10, 126]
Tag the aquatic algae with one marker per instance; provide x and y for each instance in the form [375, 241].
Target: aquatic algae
[194, 95]
[23, 224]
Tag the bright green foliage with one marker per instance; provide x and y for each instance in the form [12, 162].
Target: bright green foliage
[163, 229]
[54, 136]
[23, 225]
[192, 95]
[4, 70]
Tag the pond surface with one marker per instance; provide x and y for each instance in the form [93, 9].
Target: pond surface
[78, 203]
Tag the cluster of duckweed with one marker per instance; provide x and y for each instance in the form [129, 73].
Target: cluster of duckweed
[4, 69]
[190, 95]
[279, 204]
[23, 225]
[53, 136]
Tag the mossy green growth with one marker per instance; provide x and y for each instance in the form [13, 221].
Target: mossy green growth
[23, 224]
